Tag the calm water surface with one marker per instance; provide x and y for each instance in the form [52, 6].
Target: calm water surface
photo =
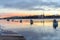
[37, 31]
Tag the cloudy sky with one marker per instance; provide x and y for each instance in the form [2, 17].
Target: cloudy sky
[30, 4]
[18, 5]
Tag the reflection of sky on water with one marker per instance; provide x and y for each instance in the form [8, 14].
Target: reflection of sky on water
[37, 31]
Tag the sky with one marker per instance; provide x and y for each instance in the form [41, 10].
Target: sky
[30, 4]
[14, 6]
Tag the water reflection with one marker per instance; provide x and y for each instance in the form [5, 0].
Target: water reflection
[37, 22]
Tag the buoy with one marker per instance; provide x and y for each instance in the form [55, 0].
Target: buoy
[55, 24]
[31, 21]
[20, 21]
[7, 19]
[12, 20]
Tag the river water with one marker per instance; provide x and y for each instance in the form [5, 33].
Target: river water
[39, 30]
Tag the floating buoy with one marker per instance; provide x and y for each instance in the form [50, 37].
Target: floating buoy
[20, 21]
[12, 20]
[31, 22]
[55, 24]
[7, 19]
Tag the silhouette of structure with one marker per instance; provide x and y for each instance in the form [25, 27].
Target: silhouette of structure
[55, 24]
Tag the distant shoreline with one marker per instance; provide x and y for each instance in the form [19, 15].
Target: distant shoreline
[33, 17]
